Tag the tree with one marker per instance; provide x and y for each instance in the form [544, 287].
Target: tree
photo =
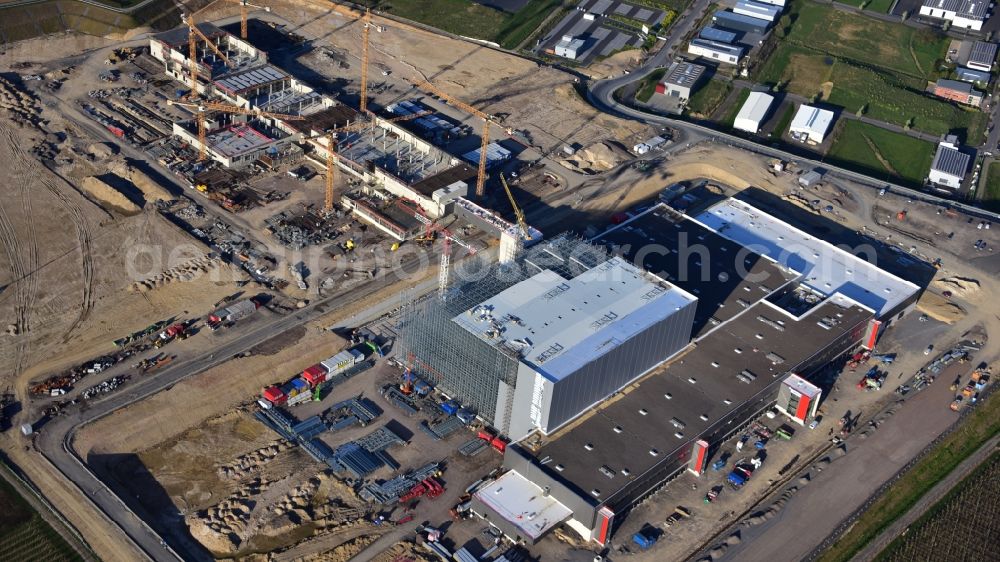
[905, 15]
[909, 123]
[861, 110]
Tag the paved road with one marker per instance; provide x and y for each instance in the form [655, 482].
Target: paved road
[849, 481]
[929, 499]
[55, 438]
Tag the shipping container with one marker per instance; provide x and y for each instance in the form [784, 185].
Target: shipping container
[340, 362]
[315, 375]
[274, 395]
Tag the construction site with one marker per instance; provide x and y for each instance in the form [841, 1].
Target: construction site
[336, 287]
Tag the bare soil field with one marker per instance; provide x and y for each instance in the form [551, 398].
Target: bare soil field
[67, 262]
[540, 100]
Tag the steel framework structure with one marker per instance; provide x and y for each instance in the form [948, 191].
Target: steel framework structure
[476, 373]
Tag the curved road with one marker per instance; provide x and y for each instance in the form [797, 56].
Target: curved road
[55, 439]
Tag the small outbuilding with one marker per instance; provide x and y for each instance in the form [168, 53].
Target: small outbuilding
[754, 112]
[810, 124]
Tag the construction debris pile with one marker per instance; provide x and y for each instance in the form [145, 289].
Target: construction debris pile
[272, 509]
[391, 491]
[249, 463]
[970, 393]
[186, 271]
[309, 228]
[19, 106]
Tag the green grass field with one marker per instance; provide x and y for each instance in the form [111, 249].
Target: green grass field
[881, 6]
[648, 86]
[838, 64]
[786, 119]
[978, 427]
[990, 197]
[24, 535]
[866, 40]
[741, 98]
[464, 17]
[461, 17]
[708, 97]
[956, 523]
[521, 25]
[881, 153]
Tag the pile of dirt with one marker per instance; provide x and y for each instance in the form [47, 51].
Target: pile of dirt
[151, 190]
[345, 551]
[102, 150]
[596, 158]
[939, 308]
[21, 106]
[252, 462]
[107, 194]
[961, 287]
[186, 271]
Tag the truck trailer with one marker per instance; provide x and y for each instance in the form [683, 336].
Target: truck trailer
[233, 313]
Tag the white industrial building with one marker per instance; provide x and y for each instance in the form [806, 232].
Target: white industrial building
[757, 10]
[754, 112]
[680, 78]
[714, 50]
[780, 3]
[570, 47]
[823, 267]
[580, 339]
[810, 124]
[950, 164]
[964, 14]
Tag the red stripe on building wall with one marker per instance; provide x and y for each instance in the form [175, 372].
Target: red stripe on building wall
[606, 515]
[873, 328]
[803, 409]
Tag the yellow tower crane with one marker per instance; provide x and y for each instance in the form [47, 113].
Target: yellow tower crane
[366, 24]
[522, 225]
[244, 5]
[204, 106]
[193, 35]
[331, 148]
[485, 136]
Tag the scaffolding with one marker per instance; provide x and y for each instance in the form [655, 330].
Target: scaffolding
[475, 372]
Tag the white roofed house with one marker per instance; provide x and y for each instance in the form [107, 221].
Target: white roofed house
[950, 164]
[965, 14]
[714, 50]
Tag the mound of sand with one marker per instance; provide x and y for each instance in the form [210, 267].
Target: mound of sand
[102, 150]
[961, 287]
[152, 190]
[596, 158]
[108, 195]
[939, 308]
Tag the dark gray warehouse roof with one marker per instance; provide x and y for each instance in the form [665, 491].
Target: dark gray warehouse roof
[983, 53]
[658, 237]
[684, 74]
[635, 431]
[950, 161]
